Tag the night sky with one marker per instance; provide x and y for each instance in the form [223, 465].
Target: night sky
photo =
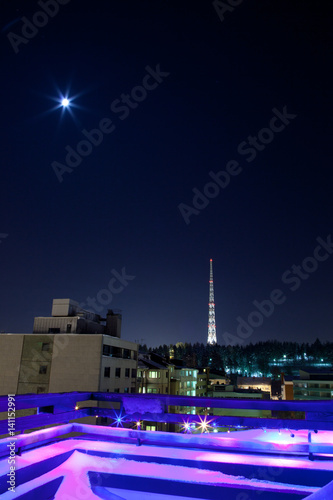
[242, 93]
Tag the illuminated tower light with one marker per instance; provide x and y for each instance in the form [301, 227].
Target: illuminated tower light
[211, 309]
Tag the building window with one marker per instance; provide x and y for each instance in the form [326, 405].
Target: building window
[126, 390]
[127, 372]
[109, 350]
[135, 355]
[154, 374]
[133, 372]
[106, 350]
[42, 369]
[40, 389]
[54, 330]
[46, 346]
[127, 354]
[68, 328]
[116, 391]
[118, 371]
[132, 390]
[107, 372]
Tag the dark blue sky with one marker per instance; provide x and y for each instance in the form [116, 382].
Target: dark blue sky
[222, 77]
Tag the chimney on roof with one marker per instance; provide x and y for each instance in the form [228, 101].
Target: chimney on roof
[113, 324]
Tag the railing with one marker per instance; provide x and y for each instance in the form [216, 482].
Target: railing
[65, 407]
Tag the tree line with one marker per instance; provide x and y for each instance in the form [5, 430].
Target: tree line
[266, 358]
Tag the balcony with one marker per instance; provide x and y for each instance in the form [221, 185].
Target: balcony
[276, 458]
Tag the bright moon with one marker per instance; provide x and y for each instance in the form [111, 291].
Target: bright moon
[65, 102]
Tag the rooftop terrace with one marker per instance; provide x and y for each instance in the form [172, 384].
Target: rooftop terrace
[277, 458]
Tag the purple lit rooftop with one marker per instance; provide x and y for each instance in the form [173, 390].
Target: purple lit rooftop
[75, 460]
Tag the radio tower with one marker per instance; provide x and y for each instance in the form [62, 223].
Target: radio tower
[211, 309]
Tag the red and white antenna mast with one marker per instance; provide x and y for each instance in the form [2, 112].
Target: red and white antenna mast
[211, 309]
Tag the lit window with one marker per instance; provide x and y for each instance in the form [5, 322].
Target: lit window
[150, 427]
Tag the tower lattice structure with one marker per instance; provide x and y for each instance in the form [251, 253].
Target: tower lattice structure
[211, 309]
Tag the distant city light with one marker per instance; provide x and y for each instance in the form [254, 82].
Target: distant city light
[65, 102]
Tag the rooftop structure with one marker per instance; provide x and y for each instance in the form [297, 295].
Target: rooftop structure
[69, 317]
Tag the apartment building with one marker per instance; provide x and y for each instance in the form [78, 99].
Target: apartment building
[74, 350]
[314, 384]
[153, 374]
